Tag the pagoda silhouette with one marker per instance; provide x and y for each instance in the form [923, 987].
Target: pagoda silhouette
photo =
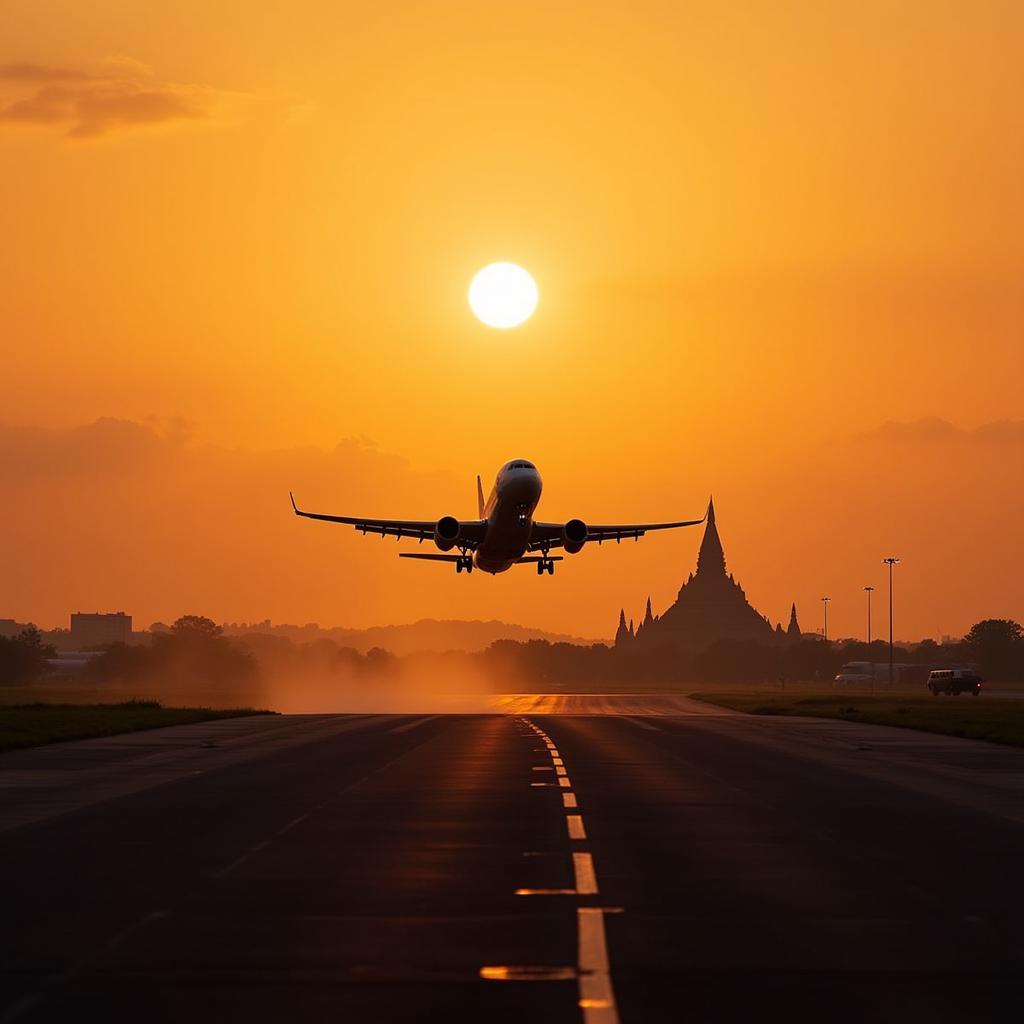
[711, 606]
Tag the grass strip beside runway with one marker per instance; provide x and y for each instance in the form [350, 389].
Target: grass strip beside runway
[32, 725]
[1000, 721]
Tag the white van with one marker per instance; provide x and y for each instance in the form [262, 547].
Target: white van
[953, 682]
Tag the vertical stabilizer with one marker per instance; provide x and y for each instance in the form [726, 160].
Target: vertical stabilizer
[479, 496]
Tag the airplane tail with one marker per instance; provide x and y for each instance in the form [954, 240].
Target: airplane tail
[480, 496]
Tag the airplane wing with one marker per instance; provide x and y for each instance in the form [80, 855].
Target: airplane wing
[471, 531]
[530, 559]
[549, 535]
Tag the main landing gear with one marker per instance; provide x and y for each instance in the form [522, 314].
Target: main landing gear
[464, 562]
[546, 563]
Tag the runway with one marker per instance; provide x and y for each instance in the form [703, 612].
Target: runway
[635, 859]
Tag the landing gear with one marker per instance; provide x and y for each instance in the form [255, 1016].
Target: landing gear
[464, 562]
[546, 563]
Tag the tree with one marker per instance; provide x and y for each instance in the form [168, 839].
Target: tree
[192, 653]
[23, 657]
[196, 627]
[997, 645]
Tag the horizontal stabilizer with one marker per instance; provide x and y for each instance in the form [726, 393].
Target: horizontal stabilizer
[550, 558]
[430, 558]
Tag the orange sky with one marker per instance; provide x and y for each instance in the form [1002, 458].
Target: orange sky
[760, 230]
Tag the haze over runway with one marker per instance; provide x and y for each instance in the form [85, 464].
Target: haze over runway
[634, 859]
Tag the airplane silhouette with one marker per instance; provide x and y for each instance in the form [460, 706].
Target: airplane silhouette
[506, 532]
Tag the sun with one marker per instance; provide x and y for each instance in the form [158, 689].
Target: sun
[503, 295]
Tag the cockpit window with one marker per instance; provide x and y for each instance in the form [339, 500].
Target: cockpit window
[522, 465]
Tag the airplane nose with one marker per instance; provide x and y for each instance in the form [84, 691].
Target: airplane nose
[524, 485]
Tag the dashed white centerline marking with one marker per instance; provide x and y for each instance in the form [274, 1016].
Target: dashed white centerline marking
[597, 998]
[575, 825]
[586, 879]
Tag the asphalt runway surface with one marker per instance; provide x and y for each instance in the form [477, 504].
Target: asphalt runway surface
[594, 859]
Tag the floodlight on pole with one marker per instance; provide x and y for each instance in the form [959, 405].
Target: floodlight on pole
[869, 591]
[890, 562]
[824, 602]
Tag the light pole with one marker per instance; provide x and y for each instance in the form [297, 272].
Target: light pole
[824, 602]
[869, 591]
[890, 562]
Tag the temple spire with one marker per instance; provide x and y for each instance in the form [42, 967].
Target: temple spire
[622, 634]
[793, 632]
[711, 560]
[648, 615]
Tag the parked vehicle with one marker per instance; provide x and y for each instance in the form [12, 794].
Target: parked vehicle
[953, 682]
[868, 673]
[854, 672]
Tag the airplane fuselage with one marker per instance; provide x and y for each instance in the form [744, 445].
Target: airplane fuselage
[509, 514]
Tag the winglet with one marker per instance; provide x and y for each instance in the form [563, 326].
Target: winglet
[295, 508]
[479, 496]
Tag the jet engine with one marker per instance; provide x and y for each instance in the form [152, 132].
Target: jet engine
[574, 536]
[446, 532]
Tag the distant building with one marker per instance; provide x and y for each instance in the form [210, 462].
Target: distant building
[96, 629]
[711, 606]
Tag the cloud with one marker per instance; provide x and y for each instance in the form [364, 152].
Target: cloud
[108, 447]
[934, 430]
[39, 73]
[111, 448]
[1001, 430]
[121, 93]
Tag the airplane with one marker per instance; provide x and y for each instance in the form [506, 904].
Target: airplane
[506, 533]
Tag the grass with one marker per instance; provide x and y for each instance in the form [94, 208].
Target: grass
[978, 718]
[32, 725]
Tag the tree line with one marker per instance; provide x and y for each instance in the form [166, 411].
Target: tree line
[994, 646]
[195, 649]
